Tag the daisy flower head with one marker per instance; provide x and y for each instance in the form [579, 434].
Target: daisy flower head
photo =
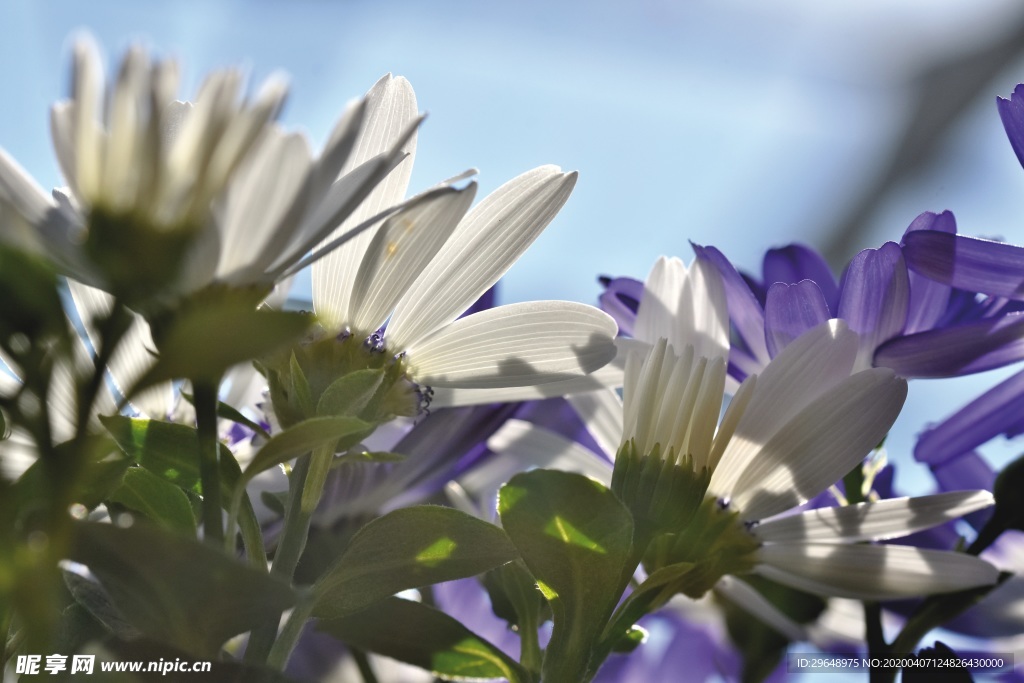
[421, 270]
[390, 299]
[717, 496]
[165, 197]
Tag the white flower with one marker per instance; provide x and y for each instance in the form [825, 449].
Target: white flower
[786, 436]
[425, 266]
[251, 199]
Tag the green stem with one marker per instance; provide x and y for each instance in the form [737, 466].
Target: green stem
[304, 490]
[363, 662]
[209, 459]
[289, 635]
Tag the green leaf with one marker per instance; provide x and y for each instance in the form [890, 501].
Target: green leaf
[91, 596]
[575, 538]
[515, 596]
[349, 394]
[160, 501]
[214, 331]
[304, 438]
[409, 548]
[424, 637]
[175, 589]
[171, 451]
[167, 449]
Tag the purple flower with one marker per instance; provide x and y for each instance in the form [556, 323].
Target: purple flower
[906, 320]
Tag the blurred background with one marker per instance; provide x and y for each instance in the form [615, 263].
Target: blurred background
[736, 123]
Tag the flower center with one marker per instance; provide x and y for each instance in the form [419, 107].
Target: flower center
[348, 374]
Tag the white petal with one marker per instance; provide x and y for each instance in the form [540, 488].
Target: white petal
[599, 380]
[872, 572]
[124, 169]
[601, 412]
[821, 444]
[400, 250]
[522, 445]
[743, 594]
[515, 345]
[62, 132]
[26, 197]
[703, 318]
[485, 245]
[390, 108]
[87, 95]
[263, 204]
[809, 366]
[877, 521]
[659, 305]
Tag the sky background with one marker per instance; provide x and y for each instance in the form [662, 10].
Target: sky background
[741, 124]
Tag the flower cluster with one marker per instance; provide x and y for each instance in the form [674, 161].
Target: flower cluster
[412, 482]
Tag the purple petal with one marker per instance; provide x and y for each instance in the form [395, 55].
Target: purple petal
[1011, 111]
[621, 299]
[928, 299]
[969, 263]
[744, 311]
[952, 352]
[791, 310]
[875, 295]
[997, 411]
[486, 301]
[796, 262]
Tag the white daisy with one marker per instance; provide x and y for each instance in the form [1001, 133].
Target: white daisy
[240, 199]
[421, 269]
[786, 436]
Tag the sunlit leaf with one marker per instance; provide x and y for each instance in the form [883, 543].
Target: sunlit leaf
[157, 499]
[177, 590]
[409, 548]
[424, 637]
[574, 536]
[304, 437]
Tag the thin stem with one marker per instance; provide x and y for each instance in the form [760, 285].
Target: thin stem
[304, 490]
[209, 459]
[289, 635]
[363, 662]
[530, 655]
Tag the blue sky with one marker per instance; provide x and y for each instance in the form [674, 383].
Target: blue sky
[740, 124]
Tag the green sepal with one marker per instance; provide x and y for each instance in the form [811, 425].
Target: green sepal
[351, 393]
[425, 637]
[157, 499]
[575, 537]
[409, 548]
[178, 590]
